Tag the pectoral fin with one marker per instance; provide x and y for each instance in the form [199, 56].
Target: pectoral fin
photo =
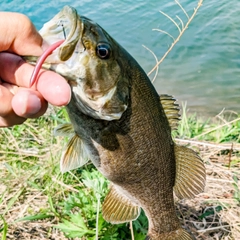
[171, 110]
[76, 153]
[190, 173]
[64, 130]
[119, 209]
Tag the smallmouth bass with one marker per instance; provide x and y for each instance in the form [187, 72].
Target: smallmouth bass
[121, 124]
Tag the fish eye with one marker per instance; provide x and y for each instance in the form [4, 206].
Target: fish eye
[103, 50]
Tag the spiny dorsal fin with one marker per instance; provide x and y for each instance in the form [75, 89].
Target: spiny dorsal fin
[190, 173]
[64, 130]
[75, 154]
[171, 110]
[117, 208]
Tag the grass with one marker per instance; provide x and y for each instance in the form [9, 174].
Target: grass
[33, 190]
[37, 201]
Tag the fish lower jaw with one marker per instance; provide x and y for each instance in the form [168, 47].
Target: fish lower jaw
[110, 117]
[96, 107]
[61, 68]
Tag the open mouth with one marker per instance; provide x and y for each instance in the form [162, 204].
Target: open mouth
[62, 32]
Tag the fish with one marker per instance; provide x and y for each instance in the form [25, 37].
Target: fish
[121, 124]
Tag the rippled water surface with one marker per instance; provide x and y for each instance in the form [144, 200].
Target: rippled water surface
[202, 69]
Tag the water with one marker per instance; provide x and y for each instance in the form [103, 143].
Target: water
[203, 69]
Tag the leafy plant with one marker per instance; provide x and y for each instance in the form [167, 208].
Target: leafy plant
[82, 211]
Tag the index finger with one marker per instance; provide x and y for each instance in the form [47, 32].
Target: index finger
[53, 87]
[20, 35]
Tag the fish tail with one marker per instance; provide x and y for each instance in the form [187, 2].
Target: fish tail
[179, 234]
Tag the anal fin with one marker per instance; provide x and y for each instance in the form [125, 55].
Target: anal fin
[117, 208]
[190, 173]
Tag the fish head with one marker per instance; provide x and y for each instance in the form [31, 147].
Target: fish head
[89, 60]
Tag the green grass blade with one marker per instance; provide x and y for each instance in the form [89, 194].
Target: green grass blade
[4, 229]
[35, 217]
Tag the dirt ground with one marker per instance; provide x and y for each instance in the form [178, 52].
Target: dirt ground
[214, 214]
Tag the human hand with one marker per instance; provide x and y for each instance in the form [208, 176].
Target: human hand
[17, 101]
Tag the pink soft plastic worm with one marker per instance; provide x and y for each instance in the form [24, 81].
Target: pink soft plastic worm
[41, 60]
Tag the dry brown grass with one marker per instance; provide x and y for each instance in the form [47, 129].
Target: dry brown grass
[219, 192]
[20, 198]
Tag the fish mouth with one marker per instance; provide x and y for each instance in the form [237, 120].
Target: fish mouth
[64, 26]
[60, 37]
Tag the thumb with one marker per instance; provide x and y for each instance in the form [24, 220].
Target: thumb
[20, 35]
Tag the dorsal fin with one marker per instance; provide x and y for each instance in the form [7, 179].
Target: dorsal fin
[190, 173]
[75, 154]
[117, 208]
[171, 109]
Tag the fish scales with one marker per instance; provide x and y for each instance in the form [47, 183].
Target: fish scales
[137, 172]
[123, 126]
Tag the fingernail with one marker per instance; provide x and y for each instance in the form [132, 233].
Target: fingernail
[33, 105]
[64, 92]
[25, 104]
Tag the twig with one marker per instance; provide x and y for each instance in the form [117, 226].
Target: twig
[230, 156]
[171, 19]
[226, 146]
[182, 8]
[220, 180]
[156, 73]
[223, 110]
[219, 227]
[131, 229]
[97, 217]
[64, 185]
[23, 152]
[159, 30]
[179, 36]
[180, 21]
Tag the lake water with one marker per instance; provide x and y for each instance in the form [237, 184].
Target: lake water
[203, 69]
